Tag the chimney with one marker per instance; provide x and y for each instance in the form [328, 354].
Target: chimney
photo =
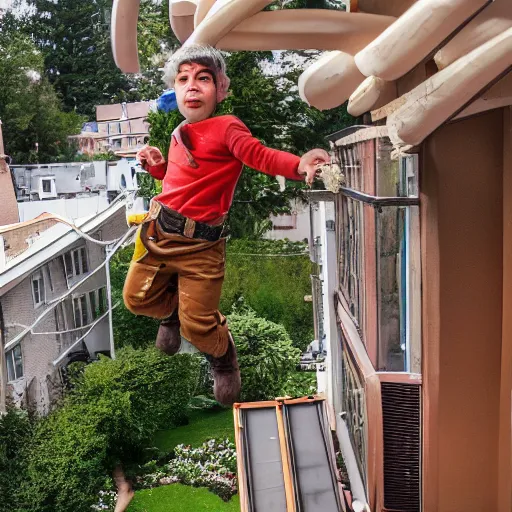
[9, 210]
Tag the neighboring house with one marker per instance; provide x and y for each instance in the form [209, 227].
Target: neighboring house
[120, 128]
[42, 260]
[294, 226]
[53, 281]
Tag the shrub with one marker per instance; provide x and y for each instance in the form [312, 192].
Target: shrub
[273, 286]
[108, 418]
[15, 431]
[300, 384]
[265, 353]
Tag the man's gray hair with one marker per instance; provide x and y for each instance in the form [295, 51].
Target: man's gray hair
[200, 54]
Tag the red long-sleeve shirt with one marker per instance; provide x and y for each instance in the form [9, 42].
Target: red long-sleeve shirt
[200, 182]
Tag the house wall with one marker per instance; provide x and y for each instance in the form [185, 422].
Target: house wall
[299, 233]
[462, 255]
[17, 240]
[505, 446]
[39, 351]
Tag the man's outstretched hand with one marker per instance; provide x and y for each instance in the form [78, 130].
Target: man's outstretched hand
[310, 162]
[150, 156]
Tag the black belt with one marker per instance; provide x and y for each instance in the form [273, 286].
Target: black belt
[173, 222]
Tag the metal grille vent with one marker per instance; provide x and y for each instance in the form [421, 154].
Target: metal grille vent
[401, 411]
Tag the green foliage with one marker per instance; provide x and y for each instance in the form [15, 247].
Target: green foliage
[15, 431]
[203, 424]
[300, 384]
[265, 353]
[74, 38]
[181, 498]
[274, 286]
[109, 417]
[29, 107]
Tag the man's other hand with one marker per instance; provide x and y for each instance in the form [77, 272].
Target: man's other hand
[150, 156]
[310, 162]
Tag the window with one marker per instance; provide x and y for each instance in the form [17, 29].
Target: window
[49, 274]
[75, 262]
[38, 289]
[14, 363]
[47, 186]
[102, 300]
[89, 306]
[379, 256]
[81, 311]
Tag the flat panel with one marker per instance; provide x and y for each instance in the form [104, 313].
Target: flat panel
[311, 459]
[264, 460]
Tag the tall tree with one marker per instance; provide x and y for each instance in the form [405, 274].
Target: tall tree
[35, 127]
[73, 36]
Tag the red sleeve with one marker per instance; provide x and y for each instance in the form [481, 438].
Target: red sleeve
[157, 171]
[254, 154]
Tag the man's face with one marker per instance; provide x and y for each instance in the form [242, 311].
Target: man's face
[196, 92]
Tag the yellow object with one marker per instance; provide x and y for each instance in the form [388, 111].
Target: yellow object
[140, 249]
[136, 218]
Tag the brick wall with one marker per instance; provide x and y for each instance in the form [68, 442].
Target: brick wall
[40, 350]
[16, 240]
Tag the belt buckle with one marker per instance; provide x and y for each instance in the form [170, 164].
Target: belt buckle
[190, 227]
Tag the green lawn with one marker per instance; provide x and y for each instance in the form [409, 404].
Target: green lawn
[204, 424]
[181, 498]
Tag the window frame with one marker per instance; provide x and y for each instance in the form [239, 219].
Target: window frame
[44, 182]
[12, 368]
[367, 286]
[38, 277]
[76, 262]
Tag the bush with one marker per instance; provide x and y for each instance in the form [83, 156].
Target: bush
[273, 286]
[108, 418]
[15, 431]
[300, 384]
[265, 353]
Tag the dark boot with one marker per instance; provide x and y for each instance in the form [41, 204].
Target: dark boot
[226, 375]
[168, 339]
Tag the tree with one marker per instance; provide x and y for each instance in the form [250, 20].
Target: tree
[35, 128]
[74, 38]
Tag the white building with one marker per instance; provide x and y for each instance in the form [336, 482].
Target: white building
[54, 297]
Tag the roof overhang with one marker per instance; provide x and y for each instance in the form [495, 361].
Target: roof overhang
[53, 242]
[468, 44]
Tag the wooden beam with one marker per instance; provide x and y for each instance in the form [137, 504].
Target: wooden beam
[389, 7]
[413, 36]
[223, 16]
[295, 29]
[203, 7]
[373, 91]
[387, 110]
[125, 14]
[498, 96]
[374, 132]
[181, 17]
[330, 80]
[442, 96]
[493, 20]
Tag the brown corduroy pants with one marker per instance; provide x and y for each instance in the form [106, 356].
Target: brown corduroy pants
[171, 271]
